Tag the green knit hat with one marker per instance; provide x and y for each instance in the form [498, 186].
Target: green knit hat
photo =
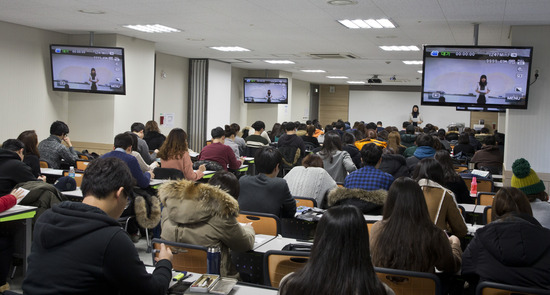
[525, 178]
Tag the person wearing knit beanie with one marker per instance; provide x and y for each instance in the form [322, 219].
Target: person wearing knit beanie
[527, 180]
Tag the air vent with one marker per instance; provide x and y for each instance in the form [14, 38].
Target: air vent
[333, 55]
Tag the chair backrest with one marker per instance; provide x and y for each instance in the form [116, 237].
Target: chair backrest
[409, 282]
[187, 257]
[44, 164]
[250, 151]
[263, 223]
[82, 164]
[483, 185]
[167, 173]
[369, 225]
[278, 264]
[77, 177]
[83, 157]
[304, 201]
[487, 215]
[491, 288]
[460, 168]
[485, 198]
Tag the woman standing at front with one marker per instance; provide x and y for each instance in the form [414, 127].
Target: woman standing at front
[482, 89]
[415, 118]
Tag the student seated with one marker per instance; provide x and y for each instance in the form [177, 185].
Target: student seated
[513, 249]
[527, 180]
[53, 151]
[265, 192]
[336, 161]
[220, 153]
[174, 153]
[123, 151]
[202, 214]
[441, 202]
[407, 239]
[310, 180]
[80, 248]
[340, 260]
[143, 149]
[12, 168]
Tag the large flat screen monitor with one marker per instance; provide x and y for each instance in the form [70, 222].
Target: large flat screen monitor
[476, 76]
[88, 69]
[266, 90]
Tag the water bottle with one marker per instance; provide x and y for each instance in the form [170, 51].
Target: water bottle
[213, 259]
[71, 172]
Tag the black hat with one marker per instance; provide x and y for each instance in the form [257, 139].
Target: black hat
[217, 132]
[65, 183]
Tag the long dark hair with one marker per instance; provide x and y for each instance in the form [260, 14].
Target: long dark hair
[332, 143]
[415, 114]
[174, 146]
[340, 260]
[430, 169]
[93, 73]
[481, 83]
[444, 159]
[407, 233]
[30, 140]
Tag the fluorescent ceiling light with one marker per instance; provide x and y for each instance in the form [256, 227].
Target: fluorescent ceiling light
[280, 62]
[412, 62]
[314, 71]
[337, 77]
[367, 24]
[152, 28]
[229, 48]
[400, 48]
[356, 82]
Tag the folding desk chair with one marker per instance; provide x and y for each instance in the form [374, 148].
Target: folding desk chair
[404, 282]
[263, 223]
[304, 201]
[491, 288]
[187, 257]
[485, 198]
[278, 264]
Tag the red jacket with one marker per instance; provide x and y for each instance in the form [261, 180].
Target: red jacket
[7, 202]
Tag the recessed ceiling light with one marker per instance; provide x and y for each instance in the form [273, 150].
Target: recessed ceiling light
[280, 62]
[91, 11]
[342, 2]
[337, 77]
[229, 48]
[152, 28]
[356, 82]
[420, 71]
[412, 62]
[367, 23]
[400, 48]
[313, 71]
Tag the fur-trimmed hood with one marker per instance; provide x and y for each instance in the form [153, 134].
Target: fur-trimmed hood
[189, 202]
[370, 202]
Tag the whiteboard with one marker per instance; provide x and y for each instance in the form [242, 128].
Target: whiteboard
[394, 107]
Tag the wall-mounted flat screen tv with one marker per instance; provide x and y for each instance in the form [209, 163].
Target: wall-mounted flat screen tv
[88, 69]
[476, 76]
[480, 109]
[266, 90]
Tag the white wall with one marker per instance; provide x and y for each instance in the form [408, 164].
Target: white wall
[526, 130]
[219, 95]
[300, 101]
[394, 107]
[171, 92]
[25, 79]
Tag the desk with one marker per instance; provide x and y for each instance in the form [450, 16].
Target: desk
[22, 217]
[469, 208]
[277, 244]
[239, 289]
[51, 174]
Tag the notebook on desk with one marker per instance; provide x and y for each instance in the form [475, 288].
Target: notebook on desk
[260, 239]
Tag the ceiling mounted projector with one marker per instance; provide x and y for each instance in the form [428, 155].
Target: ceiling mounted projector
[374, 79]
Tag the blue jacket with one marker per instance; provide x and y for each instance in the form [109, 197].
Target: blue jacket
[142, 178]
